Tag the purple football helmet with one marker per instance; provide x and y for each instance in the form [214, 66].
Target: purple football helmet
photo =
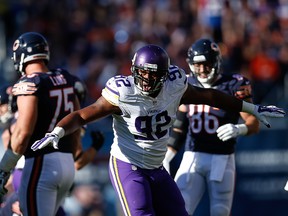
[28, 47]
[150, 66]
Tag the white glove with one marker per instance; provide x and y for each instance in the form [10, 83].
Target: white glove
[50, 138]
[262, 112]
[168, 157]
[4, 176]
[228, 131]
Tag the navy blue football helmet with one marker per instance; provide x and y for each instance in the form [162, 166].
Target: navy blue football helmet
[150, 66]
[206, 52]
[28, 47]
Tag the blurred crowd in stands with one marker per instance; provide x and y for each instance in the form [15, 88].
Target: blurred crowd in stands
[95, 39]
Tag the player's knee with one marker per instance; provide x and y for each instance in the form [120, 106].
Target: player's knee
[220, 210]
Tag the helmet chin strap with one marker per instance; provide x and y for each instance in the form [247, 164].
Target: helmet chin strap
[155, 86]
[147, 93]
[207, 82]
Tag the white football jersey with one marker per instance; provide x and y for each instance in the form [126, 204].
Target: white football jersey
[141, 131]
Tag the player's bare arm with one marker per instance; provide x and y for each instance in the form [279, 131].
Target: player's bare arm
[5, 138]
[27, 109]
[84, 157]
[100, 109]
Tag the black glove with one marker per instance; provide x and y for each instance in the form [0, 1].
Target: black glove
[97, 139]
[4, 176]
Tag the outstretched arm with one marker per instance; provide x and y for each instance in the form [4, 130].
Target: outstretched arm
[215, 98]
[211, 97]
[93, 112]
[75, 120]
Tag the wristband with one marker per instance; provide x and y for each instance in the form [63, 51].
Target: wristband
[243, 129]
[59, 131]
[9, 160]
[248, 107]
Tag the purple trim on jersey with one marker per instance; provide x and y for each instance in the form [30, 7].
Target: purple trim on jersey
[32, 185]
[17, 174]
[145, 191]
[115, 92]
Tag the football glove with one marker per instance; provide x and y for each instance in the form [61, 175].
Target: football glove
[262, 112]
[49, 139]
[4, 176]
[228, 131]
[97, 139]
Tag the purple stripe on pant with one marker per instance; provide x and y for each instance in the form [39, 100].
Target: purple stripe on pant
[146, 192]
[17, 174]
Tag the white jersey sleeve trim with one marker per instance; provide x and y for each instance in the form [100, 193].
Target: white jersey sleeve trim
[111, 93]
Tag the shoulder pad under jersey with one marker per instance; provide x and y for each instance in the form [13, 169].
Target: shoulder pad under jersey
[177, 77]
[242, 87]
[114, 86]
[26, 85]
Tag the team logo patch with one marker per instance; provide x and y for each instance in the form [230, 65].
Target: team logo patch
[24, 88]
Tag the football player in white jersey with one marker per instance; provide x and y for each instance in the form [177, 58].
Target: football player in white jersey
[144, 107]
[208, 159]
